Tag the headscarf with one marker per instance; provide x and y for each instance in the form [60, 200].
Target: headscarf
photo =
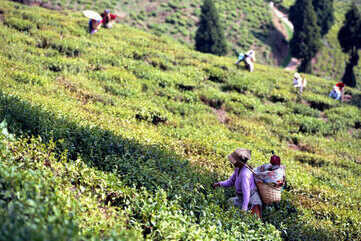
[340, 85]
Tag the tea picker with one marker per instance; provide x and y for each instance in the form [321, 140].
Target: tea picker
[95, 20]
[254, 187]
[338, 93]
[240, 58]
[108, 18]
[248, 58]
[299, 82]
[247, 196]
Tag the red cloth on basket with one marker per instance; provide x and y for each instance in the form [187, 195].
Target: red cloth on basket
[275, 160]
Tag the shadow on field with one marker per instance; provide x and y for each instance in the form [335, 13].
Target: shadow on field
[143, 166]
[356, 100]
[285, 217]
[278, 44]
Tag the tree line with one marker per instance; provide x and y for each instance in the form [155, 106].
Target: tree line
[312, 19]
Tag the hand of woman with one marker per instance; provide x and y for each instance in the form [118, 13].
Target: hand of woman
[216, 185]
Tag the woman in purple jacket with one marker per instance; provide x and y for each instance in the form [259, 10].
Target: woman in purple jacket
[247, 196]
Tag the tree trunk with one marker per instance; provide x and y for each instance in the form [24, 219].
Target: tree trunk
[306, 66]
[348, 77]
[354, 58]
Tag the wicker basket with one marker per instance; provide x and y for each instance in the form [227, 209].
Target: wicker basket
[269, 194]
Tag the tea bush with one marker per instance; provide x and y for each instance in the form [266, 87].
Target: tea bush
[310, 125]
[217, 75]
[311, 159]
[304, 110]
[28, 78]
[19, 24]
[237, 84]
[68, 47]
[320, 102]
[152, 116]
[248, 24]
[349, 116]
[62, 64]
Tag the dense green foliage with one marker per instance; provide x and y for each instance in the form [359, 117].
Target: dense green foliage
[325, 16]
[306, 40]
[209, 35]
[119, 136]
[349, 37]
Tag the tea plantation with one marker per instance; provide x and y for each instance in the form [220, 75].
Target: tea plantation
[247, 23]
[119, 136]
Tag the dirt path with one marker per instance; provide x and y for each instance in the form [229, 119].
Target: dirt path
[283, 17]
[278, 39]
[221, 115]
[293, 64]
[278, 19]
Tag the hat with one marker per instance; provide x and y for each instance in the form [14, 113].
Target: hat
[297, 75]
[275, 160]
[107, 11]
[92, 15]
[240, 155]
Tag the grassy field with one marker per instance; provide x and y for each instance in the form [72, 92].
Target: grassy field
[119, 136]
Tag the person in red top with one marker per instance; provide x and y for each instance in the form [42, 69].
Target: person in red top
[340, 85]
[108, 19]
[337, 91]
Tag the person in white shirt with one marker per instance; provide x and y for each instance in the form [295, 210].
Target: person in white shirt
[248, 58]
[299, 82]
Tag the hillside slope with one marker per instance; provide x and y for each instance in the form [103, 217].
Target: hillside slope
[121, 134]
[247, 23]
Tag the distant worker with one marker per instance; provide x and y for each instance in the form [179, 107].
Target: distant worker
[247, 196]
[299, 82]
[94, 25]
[95, 20]
[108, 18]
[337, 91]
[248, 58]
[240, 58]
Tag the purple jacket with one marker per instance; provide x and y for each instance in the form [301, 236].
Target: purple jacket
[244, 183]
